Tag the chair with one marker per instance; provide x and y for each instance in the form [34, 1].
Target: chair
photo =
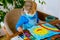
[10, 21]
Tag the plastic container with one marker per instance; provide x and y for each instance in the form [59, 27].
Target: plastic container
[50, 18]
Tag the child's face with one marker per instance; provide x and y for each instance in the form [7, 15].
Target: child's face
[30, 8]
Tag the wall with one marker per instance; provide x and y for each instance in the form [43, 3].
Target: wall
[51, 7]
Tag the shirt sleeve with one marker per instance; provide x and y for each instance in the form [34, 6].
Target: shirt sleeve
[37, 17]
[20, 22]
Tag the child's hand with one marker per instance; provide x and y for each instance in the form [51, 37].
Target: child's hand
[41, 22]
[20, 29]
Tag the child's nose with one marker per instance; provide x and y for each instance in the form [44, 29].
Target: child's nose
[28, 8]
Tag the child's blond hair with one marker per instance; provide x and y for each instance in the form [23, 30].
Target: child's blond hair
[32, 6]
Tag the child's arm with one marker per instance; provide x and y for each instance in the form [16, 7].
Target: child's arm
[19, 24]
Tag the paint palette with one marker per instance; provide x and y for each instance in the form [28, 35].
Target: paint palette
[40, 32]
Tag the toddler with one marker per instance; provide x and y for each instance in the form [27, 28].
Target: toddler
[29, 18]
